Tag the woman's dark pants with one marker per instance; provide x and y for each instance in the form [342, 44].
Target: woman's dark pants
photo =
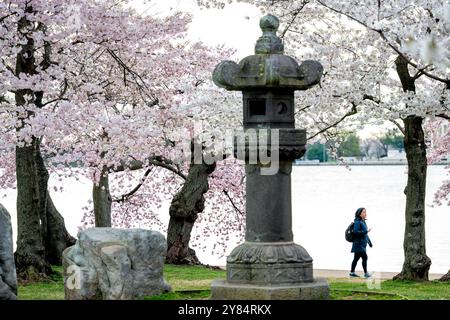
[358, 255]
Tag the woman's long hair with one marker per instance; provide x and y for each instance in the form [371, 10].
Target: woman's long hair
[358, 212]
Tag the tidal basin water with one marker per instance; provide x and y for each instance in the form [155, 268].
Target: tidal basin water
[324, 199]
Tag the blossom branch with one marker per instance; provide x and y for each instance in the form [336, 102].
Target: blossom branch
[383, 36]
[158, 161]
[232, 202]
[128, 195]
[294, 16]
[348, 114]
[61, 95]
[398, 125]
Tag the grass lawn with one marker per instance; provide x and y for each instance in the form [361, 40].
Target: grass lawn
[53, 289]
[404, 290]
[193, 282]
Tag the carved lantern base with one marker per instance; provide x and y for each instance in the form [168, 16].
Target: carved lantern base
[269, 271]
[316, 290]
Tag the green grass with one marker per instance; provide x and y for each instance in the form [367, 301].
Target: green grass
[194, 282]
[52, 289]
[431, 290]
[182, 295]
[355, 295]
[191, 277]
[189, 282]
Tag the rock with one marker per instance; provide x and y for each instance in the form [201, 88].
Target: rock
[8, 278]
[115, 264]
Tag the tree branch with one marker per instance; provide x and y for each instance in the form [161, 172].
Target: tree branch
[303, 109]
[420, 73]
[382, 35]
[8, 15]
[128, 195]
[135, 75]
[371, 98]
[168, 167]
[348, 114]
[398, 125]
[232, 202]
[60, 97]
[158, 161]
[294, 16]
[443, 116]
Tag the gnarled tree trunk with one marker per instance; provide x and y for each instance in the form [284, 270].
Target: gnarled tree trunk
[102, 201]
[31, 263]
[416, 264]
[58, 238]
[184, 209]
[41, 236]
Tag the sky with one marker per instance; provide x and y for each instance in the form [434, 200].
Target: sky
[214, 26]
[236, 26]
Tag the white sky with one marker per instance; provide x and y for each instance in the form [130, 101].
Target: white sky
[214, 26]
[236, 26]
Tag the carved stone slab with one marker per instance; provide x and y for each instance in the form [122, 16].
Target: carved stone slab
[270, 263]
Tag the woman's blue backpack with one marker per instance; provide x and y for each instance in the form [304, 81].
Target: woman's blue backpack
[349, 232]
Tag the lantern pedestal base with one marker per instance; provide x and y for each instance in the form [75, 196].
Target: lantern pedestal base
[316, 290]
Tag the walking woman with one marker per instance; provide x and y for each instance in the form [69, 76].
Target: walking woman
[360, 242]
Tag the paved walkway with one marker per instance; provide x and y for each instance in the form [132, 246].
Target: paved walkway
[327, 273]
[324, 273]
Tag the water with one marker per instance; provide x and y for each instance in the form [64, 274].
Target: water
[324, 201]
[326, 198]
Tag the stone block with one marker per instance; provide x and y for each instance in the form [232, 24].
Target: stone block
[115, 264]
[316, 290]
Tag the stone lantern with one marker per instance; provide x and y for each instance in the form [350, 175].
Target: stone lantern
[269, 265]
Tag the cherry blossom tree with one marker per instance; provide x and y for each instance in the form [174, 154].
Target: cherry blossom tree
[97, 85]
[415, 35]
[22, 30]
[159, 151]
[389, 61]
[122, 86]
[94, 83]
[438, 135]
[217, 110]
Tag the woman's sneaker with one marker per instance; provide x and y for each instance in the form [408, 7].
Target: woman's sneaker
[367, 275]
[352, 274]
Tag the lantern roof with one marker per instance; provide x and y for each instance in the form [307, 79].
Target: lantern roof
[269, 67]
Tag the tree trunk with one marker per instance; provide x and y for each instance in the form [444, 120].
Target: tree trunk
[184, 209]
[102, 201]
[41, 235]
[30, 255]
[58, 238]
[417, 263]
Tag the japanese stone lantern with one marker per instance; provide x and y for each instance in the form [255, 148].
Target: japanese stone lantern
[269, 265]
